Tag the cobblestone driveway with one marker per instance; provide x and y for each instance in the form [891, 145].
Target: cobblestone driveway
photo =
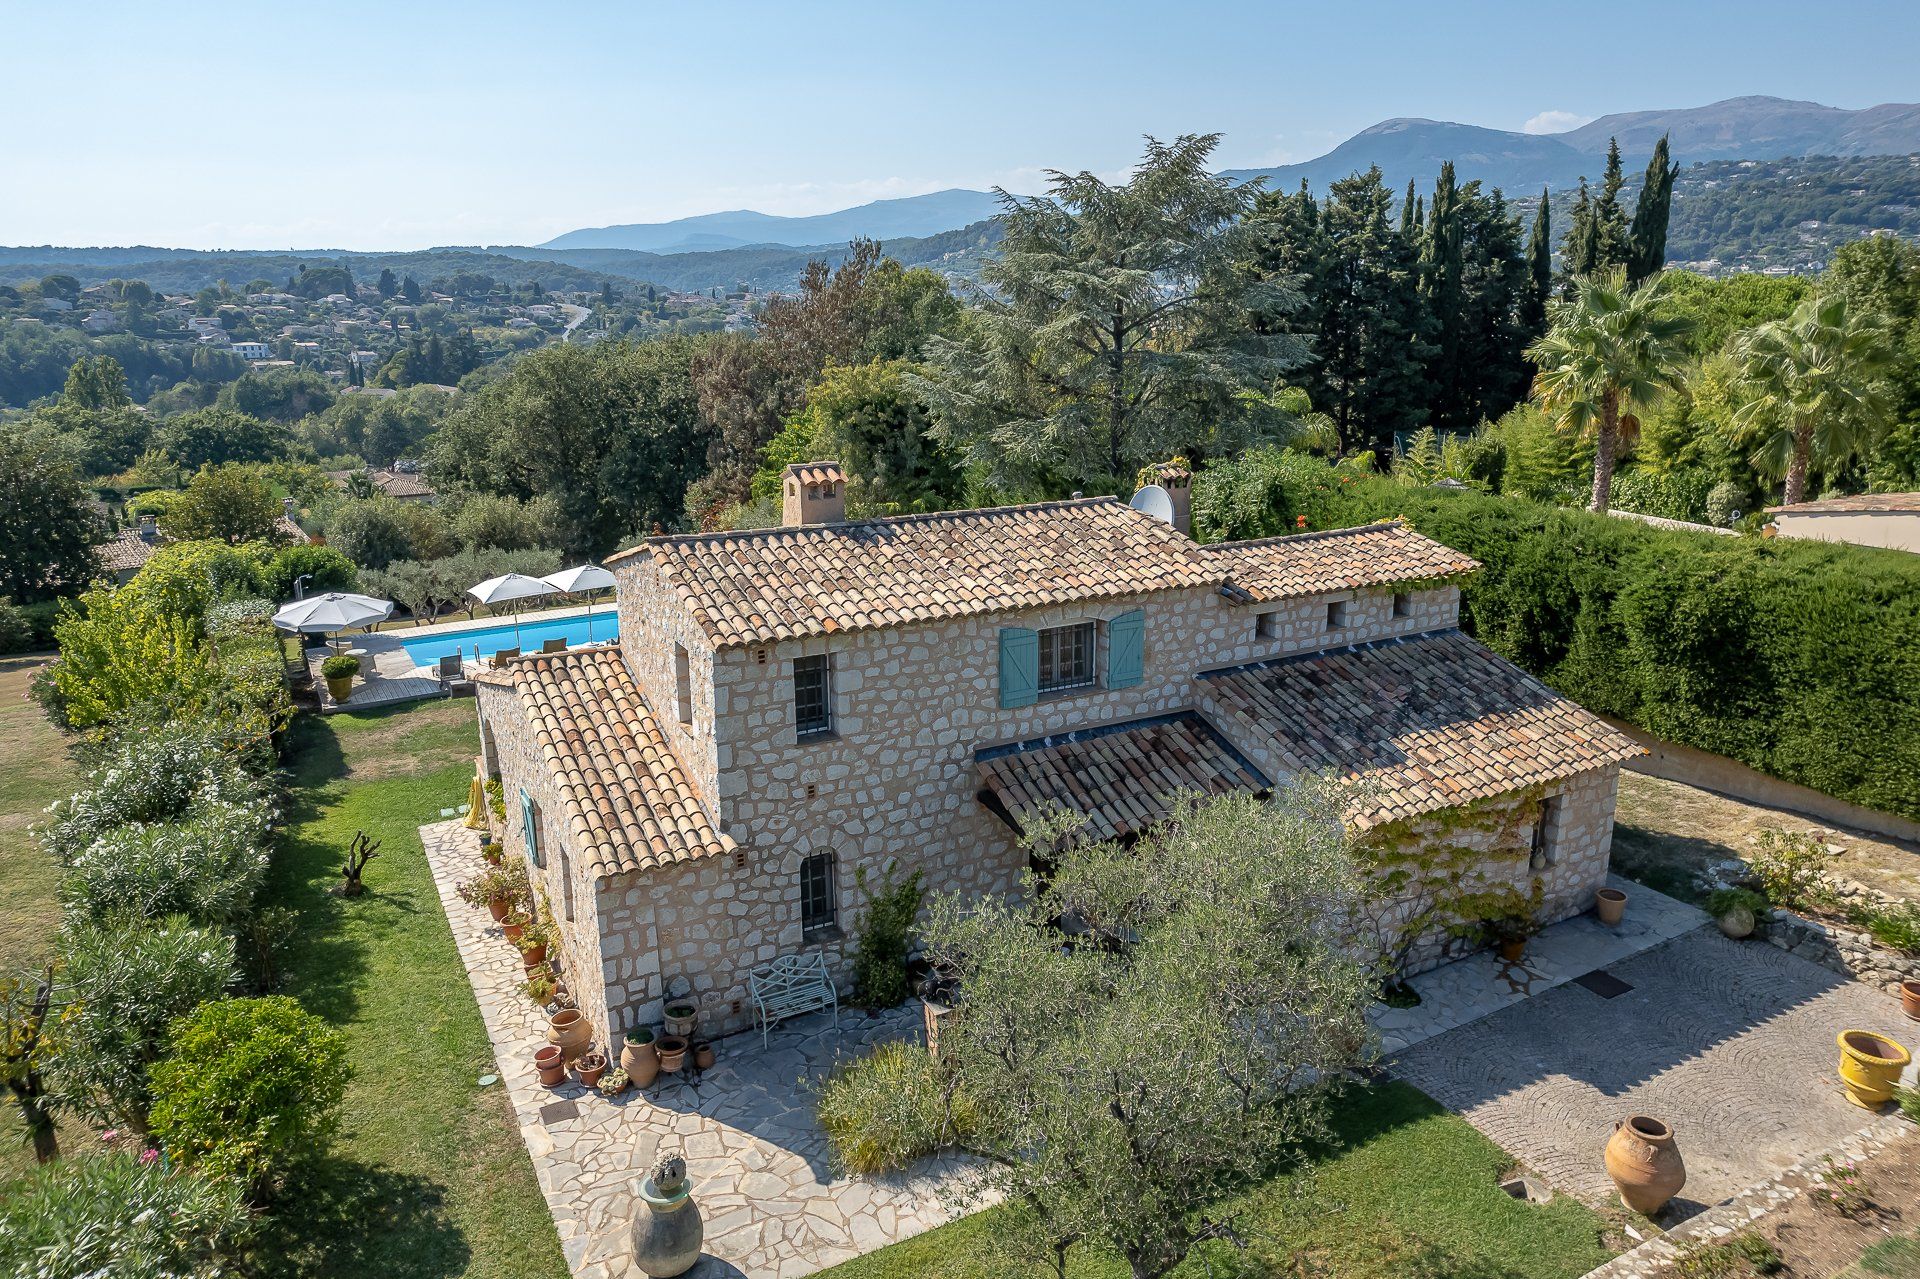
[1732, 1043]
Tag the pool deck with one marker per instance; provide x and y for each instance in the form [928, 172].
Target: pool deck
[387, 672]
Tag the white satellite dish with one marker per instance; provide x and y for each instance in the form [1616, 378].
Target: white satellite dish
[1153, 500]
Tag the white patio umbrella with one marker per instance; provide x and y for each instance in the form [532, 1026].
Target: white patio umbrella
[584, 577]
[510, 588]
[334, 611]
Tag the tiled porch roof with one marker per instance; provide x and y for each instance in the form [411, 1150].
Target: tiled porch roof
[758, 586]
[1283, 568]
[1119, 777]
[1422, 724]
[629, 804]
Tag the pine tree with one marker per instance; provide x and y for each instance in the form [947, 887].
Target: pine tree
[1533, 306]
[1609, 219]
[1647, 238]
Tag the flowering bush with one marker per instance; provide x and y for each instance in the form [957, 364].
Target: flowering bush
[118, 1214]
[152, 777]
[207, 866]
[1839, 1187]
[128, 982]
[248, 1086]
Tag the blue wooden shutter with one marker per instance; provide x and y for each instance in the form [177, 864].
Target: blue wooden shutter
[1019, 667]
[1126, 649]
[532, 829]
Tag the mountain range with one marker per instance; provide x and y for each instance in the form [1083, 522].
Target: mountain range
[1749, 128]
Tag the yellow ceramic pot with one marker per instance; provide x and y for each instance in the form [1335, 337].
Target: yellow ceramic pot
[1870, 1066]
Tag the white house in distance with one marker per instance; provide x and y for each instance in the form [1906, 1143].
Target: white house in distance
[1891, 520]
[793, 714]
[253, 350]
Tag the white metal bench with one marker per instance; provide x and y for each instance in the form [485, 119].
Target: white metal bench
[789, 986]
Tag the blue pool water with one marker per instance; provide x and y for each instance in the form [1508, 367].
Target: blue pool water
[488, 640]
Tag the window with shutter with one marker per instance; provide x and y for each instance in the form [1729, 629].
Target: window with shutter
[530, 826]
[1019, 667]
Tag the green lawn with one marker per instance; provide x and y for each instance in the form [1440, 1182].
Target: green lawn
[1408, 1190]
[34, 771]
[428, 1176]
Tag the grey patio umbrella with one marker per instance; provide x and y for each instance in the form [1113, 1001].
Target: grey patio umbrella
[510, 588]
[584, 577]
[334, 611]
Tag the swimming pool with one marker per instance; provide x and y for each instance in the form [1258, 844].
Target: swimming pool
[488, 640]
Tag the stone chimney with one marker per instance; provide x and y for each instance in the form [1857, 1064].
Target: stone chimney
[289, 507]
[813, 493]
[149, 528]
[1177, 480]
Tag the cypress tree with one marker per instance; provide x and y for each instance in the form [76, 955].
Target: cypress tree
[1409, 215]
[1579, 252]
[1609, 220]
[1443, 288]
[1533, 303]
[1647, 238]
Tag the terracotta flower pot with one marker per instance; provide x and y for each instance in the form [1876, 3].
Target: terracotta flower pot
[1611, 905]
[591, 1067]
[1645, 1164]
[1910, 999]
[680, 1023]
[570, 1032]
[552, 1065]
[497, 907]
[1870, 1066]
[1513, 951]
[513, 929]
[673, 1053]
[641, 1063]
[703, 1057]
[534, 956]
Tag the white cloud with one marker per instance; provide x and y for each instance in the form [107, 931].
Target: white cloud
[1554, 122]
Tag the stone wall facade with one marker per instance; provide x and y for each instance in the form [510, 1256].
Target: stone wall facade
[892, 788]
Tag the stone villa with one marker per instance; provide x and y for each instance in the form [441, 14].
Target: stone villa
[791, 714]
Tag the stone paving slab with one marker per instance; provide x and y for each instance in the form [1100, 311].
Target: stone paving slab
[1478, 985]
[1730, 1043]
[756, 1158]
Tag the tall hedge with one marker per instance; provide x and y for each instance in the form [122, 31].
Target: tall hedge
[1801, 659]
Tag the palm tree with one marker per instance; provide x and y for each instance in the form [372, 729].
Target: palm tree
[1808, 387]
[1609, 353]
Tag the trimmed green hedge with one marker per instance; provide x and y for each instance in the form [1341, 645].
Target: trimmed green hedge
[1801, 659]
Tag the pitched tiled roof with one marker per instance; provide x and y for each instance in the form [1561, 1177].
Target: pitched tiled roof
[1118, 777]
[784, 583]
[126, 550]
[1859, 502]
[1423, 723]
[629, 805]
[1281, 568]
[818, 473]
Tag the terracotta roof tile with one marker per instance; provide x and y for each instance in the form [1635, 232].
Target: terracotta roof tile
[1281, 568]
[1118, 777]
[1859, 502]
[1422, 723]
[126, 550]
[762, 585]
[629, 804]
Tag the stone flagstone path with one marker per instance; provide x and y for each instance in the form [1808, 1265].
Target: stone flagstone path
[756, 1158]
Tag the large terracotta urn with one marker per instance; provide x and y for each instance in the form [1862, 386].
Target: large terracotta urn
[640, 1060]
[667, 1231]
[570, 1032]
[1870, 1067]
[1645, 1164]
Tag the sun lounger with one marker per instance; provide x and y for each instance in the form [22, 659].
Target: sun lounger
[555, 645]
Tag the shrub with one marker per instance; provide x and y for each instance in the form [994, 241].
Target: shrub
[153, 777]
[327, 569]
[1735, 1257]
[1727, 899]
[340, 666]
[120, 1215]
[1671, 495]
[1726, 503]
[885, 1110]
[1791, 867]
[206, 867]
[880, 962]
[248, 1087]
[1269, 492]
[128, 983]
[1896, 927]
[16, 628]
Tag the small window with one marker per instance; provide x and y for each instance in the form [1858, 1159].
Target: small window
[813, 695]
[1066, 657]
[1402, 604]
[682, 684]
[1336, 615]
[530, 829]
[819, 903]
[1266, 626]
[1542, 850]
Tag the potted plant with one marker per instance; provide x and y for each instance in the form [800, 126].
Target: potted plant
[1737, 911]
[533, 945]
[552, 1065]
[673, 1053]
[1510, 933]
[638, 1058]
[540, 989]
[514, 924]
[339, 671]
[679, 1017]
[492, 853]
[613, 1083]
[591, 1066]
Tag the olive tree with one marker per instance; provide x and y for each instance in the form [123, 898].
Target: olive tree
[1120, 1086]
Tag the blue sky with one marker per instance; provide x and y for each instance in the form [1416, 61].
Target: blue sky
[401, 125]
